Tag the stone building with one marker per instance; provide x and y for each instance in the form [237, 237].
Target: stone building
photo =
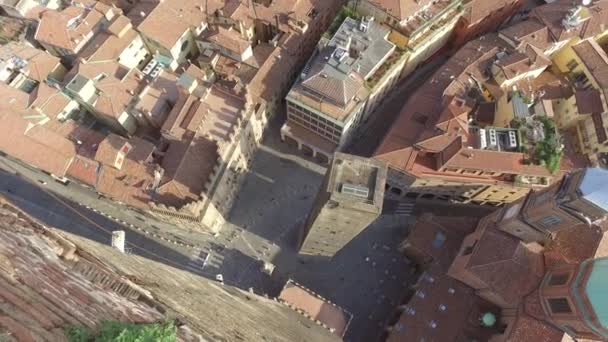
[350, 198]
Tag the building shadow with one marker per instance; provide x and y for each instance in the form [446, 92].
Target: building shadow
[66, 215]
[366, 277]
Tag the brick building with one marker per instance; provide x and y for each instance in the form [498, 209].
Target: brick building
[480, 282]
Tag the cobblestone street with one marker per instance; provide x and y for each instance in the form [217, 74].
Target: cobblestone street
[367, 278]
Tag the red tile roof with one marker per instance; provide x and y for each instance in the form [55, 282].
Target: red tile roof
[316, 307]
[47, 286]
[84, 170]
[36, 145]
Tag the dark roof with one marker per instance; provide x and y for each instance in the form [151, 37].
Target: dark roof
[588, 101]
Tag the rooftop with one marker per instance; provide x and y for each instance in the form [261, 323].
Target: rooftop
[357, 180]
[36, 64]
[316, 307]
[401, 9]
[166, 21]
[108, 45]
[71, 27]
[116, 85]
[506, 268]
[440, 110]
[333, 81]
[227, 38]
[47, 285]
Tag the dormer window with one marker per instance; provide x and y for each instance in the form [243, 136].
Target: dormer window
[558, 279]
[559, 305]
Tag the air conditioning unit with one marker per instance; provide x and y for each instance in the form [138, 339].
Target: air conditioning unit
[492, 136]
[151, 65]
[483, 143]
[512, 139]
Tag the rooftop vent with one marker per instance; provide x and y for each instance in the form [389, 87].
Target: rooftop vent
[355, 190]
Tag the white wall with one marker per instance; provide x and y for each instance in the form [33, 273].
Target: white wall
[134, 53]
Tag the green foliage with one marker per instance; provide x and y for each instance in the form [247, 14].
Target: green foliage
[345, 12]
[78, 334]
[112, 331]
[548, 152]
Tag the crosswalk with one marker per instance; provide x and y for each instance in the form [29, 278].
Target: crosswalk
[198, 260]
[405, 208]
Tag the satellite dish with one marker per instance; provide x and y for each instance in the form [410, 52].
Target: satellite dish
[586, 2]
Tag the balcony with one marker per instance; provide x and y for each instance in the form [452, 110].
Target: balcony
[525, 180]
[377, 76]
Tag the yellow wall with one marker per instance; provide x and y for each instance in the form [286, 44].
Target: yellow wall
[500, 193]
[504, 112]
[566, 112]
[561, 58]
[476, 192]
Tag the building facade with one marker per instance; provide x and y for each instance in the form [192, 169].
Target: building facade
[350, 198]
[329, 100]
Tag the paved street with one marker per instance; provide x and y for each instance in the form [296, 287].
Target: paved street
[366, 278]
[66, 215]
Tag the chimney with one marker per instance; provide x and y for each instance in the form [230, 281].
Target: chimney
[118, 240]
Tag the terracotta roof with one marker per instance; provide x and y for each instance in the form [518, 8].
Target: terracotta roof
[156, 99]
[527, 328]
[84, 170]
[589, 101]
[39, 63]
[108, 46]
[600, 128]
[49, 100]
[117, 86]
[478, 10]
[420, 116]
[142, 149]
[68, 28]
[518, 63]
[565, 247]
[485, 113]
[400, 9]
[316, 307]
[497, 161]
[507, 266]
[529, 31]
[169, 20]
[215, 114]
[188, 164]
[47, 286]
[35, 145]
[131, 184]
[595, 60]
[227, 38]
[109, 148]
[423, 236]
[552, 15]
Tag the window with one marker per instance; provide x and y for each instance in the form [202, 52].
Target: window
[549, 221]
[558, 279]
[184, 45]
[572, 64]
[559, 305]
